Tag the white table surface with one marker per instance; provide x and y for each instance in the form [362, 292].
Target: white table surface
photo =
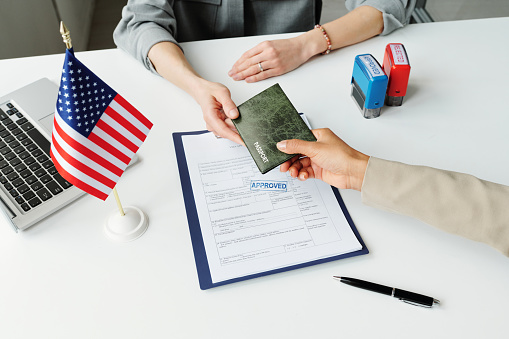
[63, 279]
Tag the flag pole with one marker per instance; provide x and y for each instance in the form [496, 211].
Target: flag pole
[118, 201]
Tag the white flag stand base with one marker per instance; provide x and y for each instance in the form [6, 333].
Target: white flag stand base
[128, 227]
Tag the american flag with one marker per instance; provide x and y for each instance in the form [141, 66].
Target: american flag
[96, 132]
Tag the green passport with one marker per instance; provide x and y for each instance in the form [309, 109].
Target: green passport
[266, 119]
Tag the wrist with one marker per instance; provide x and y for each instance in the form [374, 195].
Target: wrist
[194, 85]
[313, 43]
[358, 171]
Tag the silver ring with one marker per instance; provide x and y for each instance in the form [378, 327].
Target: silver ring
[260, 65]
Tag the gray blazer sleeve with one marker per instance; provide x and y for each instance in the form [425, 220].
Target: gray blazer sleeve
[396, 13]
[454, 202]
[145, 23]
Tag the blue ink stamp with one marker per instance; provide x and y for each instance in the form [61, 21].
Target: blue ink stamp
[268, 185]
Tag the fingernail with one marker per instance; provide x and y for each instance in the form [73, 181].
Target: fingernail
[303, 176]
[236, 77]
[281, 145]
[230, 73]
[232, 113]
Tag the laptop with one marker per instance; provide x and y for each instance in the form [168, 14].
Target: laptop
[30, 186]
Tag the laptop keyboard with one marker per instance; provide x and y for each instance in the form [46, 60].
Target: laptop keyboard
[27, 173]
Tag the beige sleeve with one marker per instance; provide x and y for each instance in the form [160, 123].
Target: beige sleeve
[454, 202]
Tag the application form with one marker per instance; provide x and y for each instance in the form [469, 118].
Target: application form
[253, 223]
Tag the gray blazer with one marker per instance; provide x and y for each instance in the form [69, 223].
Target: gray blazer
[145, 23]
[454, 202]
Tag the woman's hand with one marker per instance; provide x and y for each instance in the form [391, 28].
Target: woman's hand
[274, 57]
[277, 57]
[218, 109]
[329, 159]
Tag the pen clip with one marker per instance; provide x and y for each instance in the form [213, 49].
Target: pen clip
[414, 303]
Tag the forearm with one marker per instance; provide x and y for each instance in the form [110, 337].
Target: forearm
[358, 25]
[170, 62]
[454, 202]
[396, 13]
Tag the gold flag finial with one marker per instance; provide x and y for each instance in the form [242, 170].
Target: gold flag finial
[66, 35]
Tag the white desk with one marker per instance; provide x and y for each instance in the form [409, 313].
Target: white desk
[63, 279]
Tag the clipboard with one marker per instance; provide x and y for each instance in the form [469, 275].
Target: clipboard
[200, 255]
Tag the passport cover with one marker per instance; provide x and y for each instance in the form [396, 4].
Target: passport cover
[266, 119]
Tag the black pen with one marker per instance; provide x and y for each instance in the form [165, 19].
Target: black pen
[406, 296]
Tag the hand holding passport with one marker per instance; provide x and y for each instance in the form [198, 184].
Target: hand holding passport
[266, 119]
